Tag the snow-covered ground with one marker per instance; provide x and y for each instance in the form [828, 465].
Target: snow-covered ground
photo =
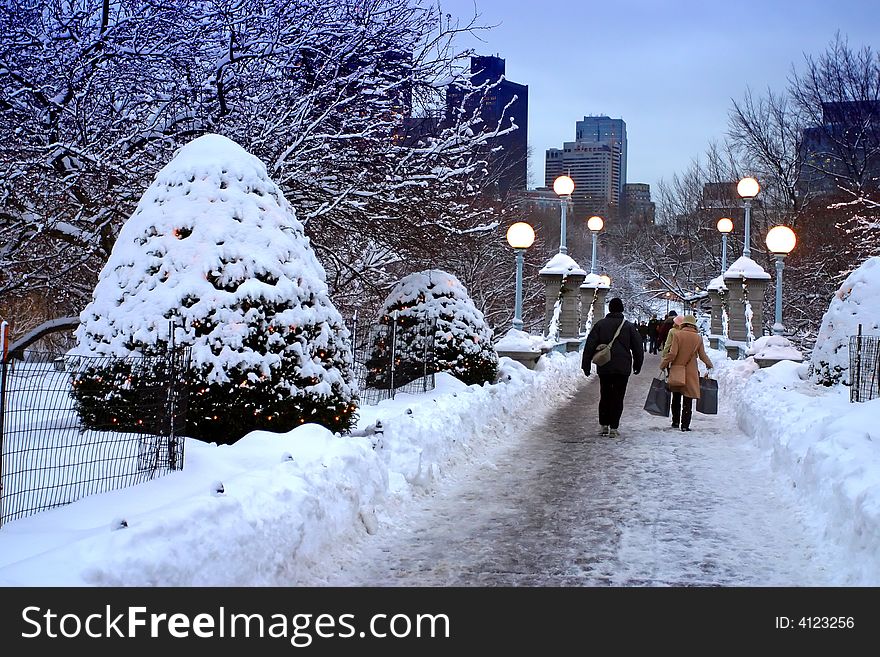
[287, 499]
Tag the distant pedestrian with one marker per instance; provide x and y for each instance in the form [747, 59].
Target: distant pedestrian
[627, 356]
[643, 331]
[663, 328]
[653, 324]
[676, 324]
[687, 345]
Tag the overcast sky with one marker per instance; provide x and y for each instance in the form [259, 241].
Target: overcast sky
[668, 68]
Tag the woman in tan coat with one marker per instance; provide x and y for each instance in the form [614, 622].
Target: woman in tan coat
[686, 347]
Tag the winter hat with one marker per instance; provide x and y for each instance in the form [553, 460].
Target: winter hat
[679, 320]
[690, 319]
[671, 313]
[615, 305]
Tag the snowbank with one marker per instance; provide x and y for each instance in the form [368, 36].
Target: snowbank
[827, 447]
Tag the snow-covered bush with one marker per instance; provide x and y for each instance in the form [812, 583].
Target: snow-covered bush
[856, 302]
[462, 339]
[215, 251]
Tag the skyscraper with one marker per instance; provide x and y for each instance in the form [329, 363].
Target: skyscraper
[506, 100]
[596, 161]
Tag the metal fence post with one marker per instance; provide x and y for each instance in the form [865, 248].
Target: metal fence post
[393, 348]
[4, 350]
[173, 382]
[876, 369]
[426, 324]
[855, 391]
[354, 333]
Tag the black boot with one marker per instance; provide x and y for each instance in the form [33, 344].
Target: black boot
[686, 413]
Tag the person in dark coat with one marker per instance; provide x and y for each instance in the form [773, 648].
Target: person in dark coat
[627, 357]
[653, 325]
[643, 331]
[663, 328]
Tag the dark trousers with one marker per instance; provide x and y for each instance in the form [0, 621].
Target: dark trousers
[612, 388]
[682, 409]
[653, 344]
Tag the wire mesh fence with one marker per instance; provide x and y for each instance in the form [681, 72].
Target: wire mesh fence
[393, 358]
[864, 367]
[72, 426]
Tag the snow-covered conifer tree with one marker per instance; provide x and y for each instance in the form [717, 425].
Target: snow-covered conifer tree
[462, 339]
[216, 251]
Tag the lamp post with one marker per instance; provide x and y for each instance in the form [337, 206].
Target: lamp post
[595, 224]
[780, 241]
[748, 189]
[563, 186]
[520, 236]
[724, 225]
[668, 297]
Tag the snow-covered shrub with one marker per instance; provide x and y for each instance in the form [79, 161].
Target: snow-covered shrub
[462, 339]
[856, 302]
[215, 251]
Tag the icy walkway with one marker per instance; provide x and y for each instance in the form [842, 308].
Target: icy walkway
[562, 506]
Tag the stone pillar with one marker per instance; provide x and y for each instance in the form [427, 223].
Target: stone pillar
[588, 295]
[745, 281]
[569, 324]
[599, 308]
[562, 275]
[593, 293]
[717, 300]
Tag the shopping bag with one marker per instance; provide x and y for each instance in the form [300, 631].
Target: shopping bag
[708, 401]
[659, 398]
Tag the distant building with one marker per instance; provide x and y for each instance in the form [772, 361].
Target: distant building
[722, 197]
[844, 149]
[417, 130]
[505, 103]
[541, 198]
[596, 161]
[638, 209]
[541, 208]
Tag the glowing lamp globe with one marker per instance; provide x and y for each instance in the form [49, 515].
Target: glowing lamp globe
[725, 225]
[748, 188]
[781, 240]
[595, 224]
[563, 186]
[606, 280]
[520, 235]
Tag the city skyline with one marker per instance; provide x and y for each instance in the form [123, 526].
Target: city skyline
[595, 161]
[673, 72]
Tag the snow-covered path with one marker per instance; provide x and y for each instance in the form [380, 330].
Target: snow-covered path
[562, 506]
